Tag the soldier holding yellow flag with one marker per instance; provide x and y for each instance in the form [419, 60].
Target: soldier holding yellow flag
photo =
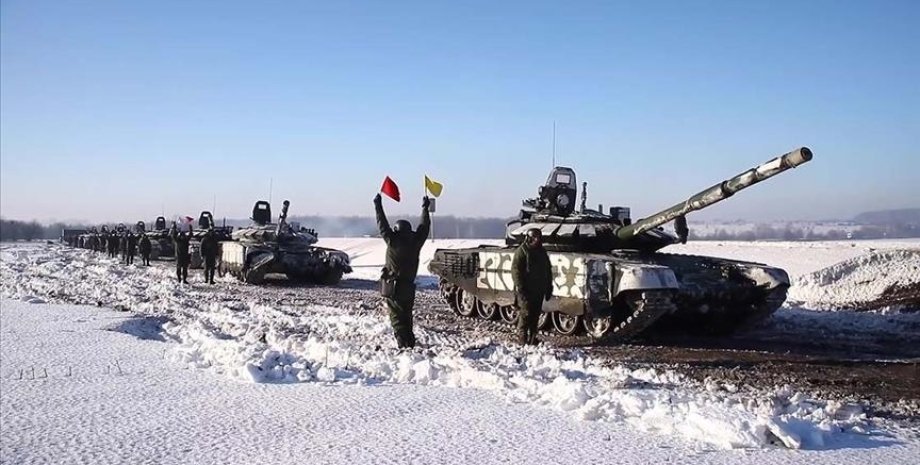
[433, 187]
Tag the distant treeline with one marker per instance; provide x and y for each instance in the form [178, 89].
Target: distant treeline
[12, 230]
[792, 233]
[451, 227]
[889, 217]
[443, 227]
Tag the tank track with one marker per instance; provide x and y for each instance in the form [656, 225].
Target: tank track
[647, 307]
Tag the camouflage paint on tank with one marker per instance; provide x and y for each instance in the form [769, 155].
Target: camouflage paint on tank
[569, 273]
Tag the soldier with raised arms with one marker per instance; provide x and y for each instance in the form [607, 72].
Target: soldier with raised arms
[183, 258]
[398, 276]
[533, 283]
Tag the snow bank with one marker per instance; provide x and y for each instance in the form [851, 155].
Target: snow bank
[266, 344]
[859, 281]
[261, 343]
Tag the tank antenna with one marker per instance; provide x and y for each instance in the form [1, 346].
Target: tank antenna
[270, 185]
[554, 144]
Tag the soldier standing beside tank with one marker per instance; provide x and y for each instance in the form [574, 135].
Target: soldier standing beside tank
[145, 248]
[533, 283]
[209, 251]
[398, 278]
[181, 241]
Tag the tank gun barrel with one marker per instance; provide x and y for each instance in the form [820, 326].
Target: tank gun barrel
[718, 192]
[282, 219]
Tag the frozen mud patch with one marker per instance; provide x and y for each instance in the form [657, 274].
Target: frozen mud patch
[868, 281]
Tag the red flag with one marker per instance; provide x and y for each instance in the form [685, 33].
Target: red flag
[390, 189]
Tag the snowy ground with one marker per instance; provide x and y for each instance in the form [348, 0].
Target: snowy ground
[328, 385]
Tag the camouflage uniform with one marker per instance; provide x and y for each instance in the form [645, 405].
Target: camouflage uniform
[145, 248]
[209, 251]
[533, 283]
[183, 258]
[401, 269]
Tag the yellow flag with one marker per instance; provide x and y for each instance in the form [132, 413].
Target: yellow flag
[433, 187]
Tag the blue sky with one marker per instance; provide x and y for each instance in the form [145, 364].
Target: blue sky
[117, 110]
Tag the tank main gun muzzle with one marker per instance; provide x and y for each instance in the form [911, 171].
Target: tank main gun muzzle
[718, 192]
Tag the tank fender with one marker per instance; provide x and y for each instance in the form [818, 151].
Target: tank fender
[629, 277]
[766, 276]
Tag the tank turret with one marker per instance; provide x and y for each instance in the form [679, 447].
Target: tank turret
[565, 228]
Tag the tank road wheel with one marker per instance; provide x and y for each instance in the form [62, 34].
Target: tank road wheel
[467, 304]
[598, 326]
[509, 314]
[488, 311]
[543, 321]
[566, 324]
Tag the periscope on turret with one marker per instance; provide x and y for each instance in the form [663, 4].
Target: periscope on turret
[609, 277]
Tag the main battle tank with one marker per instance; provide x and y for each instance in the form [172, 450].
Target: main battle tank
[205, 224]
[264, 248]
[161, 245]
[609, 276]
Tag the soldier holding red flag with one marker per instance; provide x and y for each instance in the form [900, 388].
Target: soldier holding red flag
[402, 258]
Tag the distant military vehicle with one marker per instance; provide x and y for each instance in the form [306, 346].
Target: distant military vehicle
[71, 236]
[264, 248]
[161, 245]
[609, 277]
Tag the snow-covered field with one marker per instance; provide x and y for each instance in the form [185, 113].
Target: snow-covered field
[243, 378]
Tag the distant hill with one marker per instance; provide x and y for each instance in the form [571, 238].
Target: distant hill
[904, 216]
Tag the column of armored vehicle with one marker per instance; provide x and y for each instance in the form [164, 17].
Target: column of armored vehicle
[248, 253]
[610, 279]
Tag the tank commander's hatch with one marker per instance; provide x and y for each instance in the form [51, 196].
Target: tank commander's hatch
[262, 213]
[206, 220]
[558, 194]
